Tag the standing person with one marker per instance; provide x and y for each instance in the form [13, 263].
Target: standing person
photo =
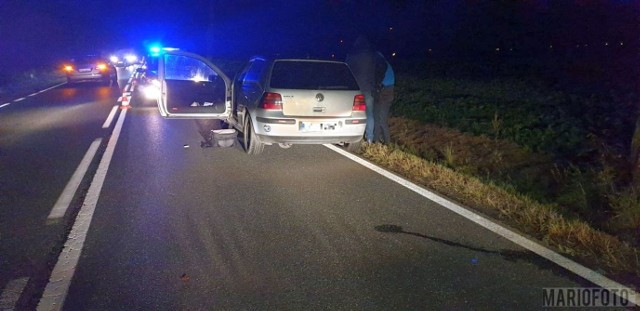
[382, 103]
[363, 60]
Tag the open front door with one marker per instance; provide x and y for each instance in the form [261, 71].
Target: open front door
[192, 87]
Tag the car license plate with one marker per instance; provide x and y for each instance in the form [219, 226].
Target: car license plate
[317, 126]
[84, 69]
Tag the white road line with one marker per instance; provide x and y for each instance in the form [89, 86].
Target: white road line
[36, 93]
[56, 290]
[11, 293]
[5, 105]
[542, 251]
[53, 87]
[62, 204]
[112, 114]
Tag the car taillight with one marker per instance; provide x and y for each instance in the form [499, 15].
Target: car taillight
[271, 101]
[68, 68]
[358, 103]
[101, 67]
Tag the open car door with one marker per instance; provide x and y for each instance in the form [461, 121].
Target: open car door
[191, 87]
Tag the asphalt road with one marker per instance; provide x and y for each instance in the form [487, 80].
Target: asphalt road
[179, 227]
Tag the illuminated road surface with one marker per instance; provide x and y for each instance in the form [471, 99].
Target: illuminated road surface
[179, 227]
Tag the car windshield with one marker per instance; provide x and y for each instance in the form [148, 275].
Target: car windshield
[312, 76]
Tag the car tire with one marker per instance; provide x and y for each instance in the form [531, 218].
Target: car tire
[251, 142]
[353, 147]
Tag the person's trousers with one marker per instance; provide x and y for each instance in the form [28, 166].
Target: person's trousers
[381, 108]
[368, 99]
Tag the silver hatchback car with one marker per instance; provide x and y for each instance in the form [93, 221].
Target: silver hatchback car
[298, 101]
[270, 101]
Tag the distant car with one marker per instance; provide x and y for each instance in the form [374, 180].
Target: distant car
[298, 101]
[124, 59]
[90, 68]
[271, 101]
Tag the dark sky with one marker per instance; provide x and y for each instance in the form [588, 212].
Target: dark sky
[42, 31]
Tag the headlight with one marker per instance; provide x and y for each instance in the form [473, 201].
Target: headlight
[68, 68]
[131, 58]
[101, 67]
[151, 91]
[113, 59]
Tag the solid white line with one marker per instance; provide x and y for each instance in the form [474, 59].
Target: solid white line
[542, 251]
[62, 204]
[11, 293]
[5, 105]
[56, 290]
[53, 87]
[36, 93]
[112, 114]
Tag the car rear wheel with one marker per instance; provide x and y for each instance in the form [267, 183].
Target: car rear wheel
[252, 144]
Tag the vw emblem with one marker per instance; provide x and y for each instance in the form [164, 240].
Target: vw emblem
[319, 97]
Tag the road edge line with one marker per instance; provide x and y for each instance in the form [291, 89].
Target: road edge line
[535, 247]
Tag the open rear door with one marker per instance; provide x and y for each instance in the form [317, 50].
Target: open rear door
[192, 87]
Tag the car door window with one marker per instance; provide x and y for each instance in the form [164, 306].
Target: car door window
[185, 68]
[193, 86]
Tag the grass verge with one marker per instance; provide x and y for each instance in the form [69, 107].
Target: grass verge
[19, 84]
[572, 237]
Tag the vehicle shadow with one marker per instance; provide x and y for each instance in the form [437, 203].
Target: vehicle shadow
[509, 255]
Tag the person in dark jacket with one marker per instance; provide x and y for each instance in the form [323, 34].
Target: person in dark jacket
[365, 62]
[382, 104]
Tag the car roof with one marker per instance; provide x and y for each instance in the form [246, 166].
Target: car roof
[296, 59]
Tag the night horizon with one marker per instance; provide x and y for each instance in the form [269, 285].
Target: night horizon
[45, 31]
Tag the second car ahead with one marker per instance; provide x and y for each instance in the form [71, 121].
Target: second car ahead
[271, 101]
[90, 68]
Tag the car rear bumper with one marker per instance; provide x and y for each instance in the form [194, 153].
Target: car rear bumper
[309, 140]
[291, 130]
[88, 76]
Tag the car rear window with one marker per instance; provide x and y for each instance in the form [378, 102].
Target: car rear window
[87, 60]
[308, 75]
